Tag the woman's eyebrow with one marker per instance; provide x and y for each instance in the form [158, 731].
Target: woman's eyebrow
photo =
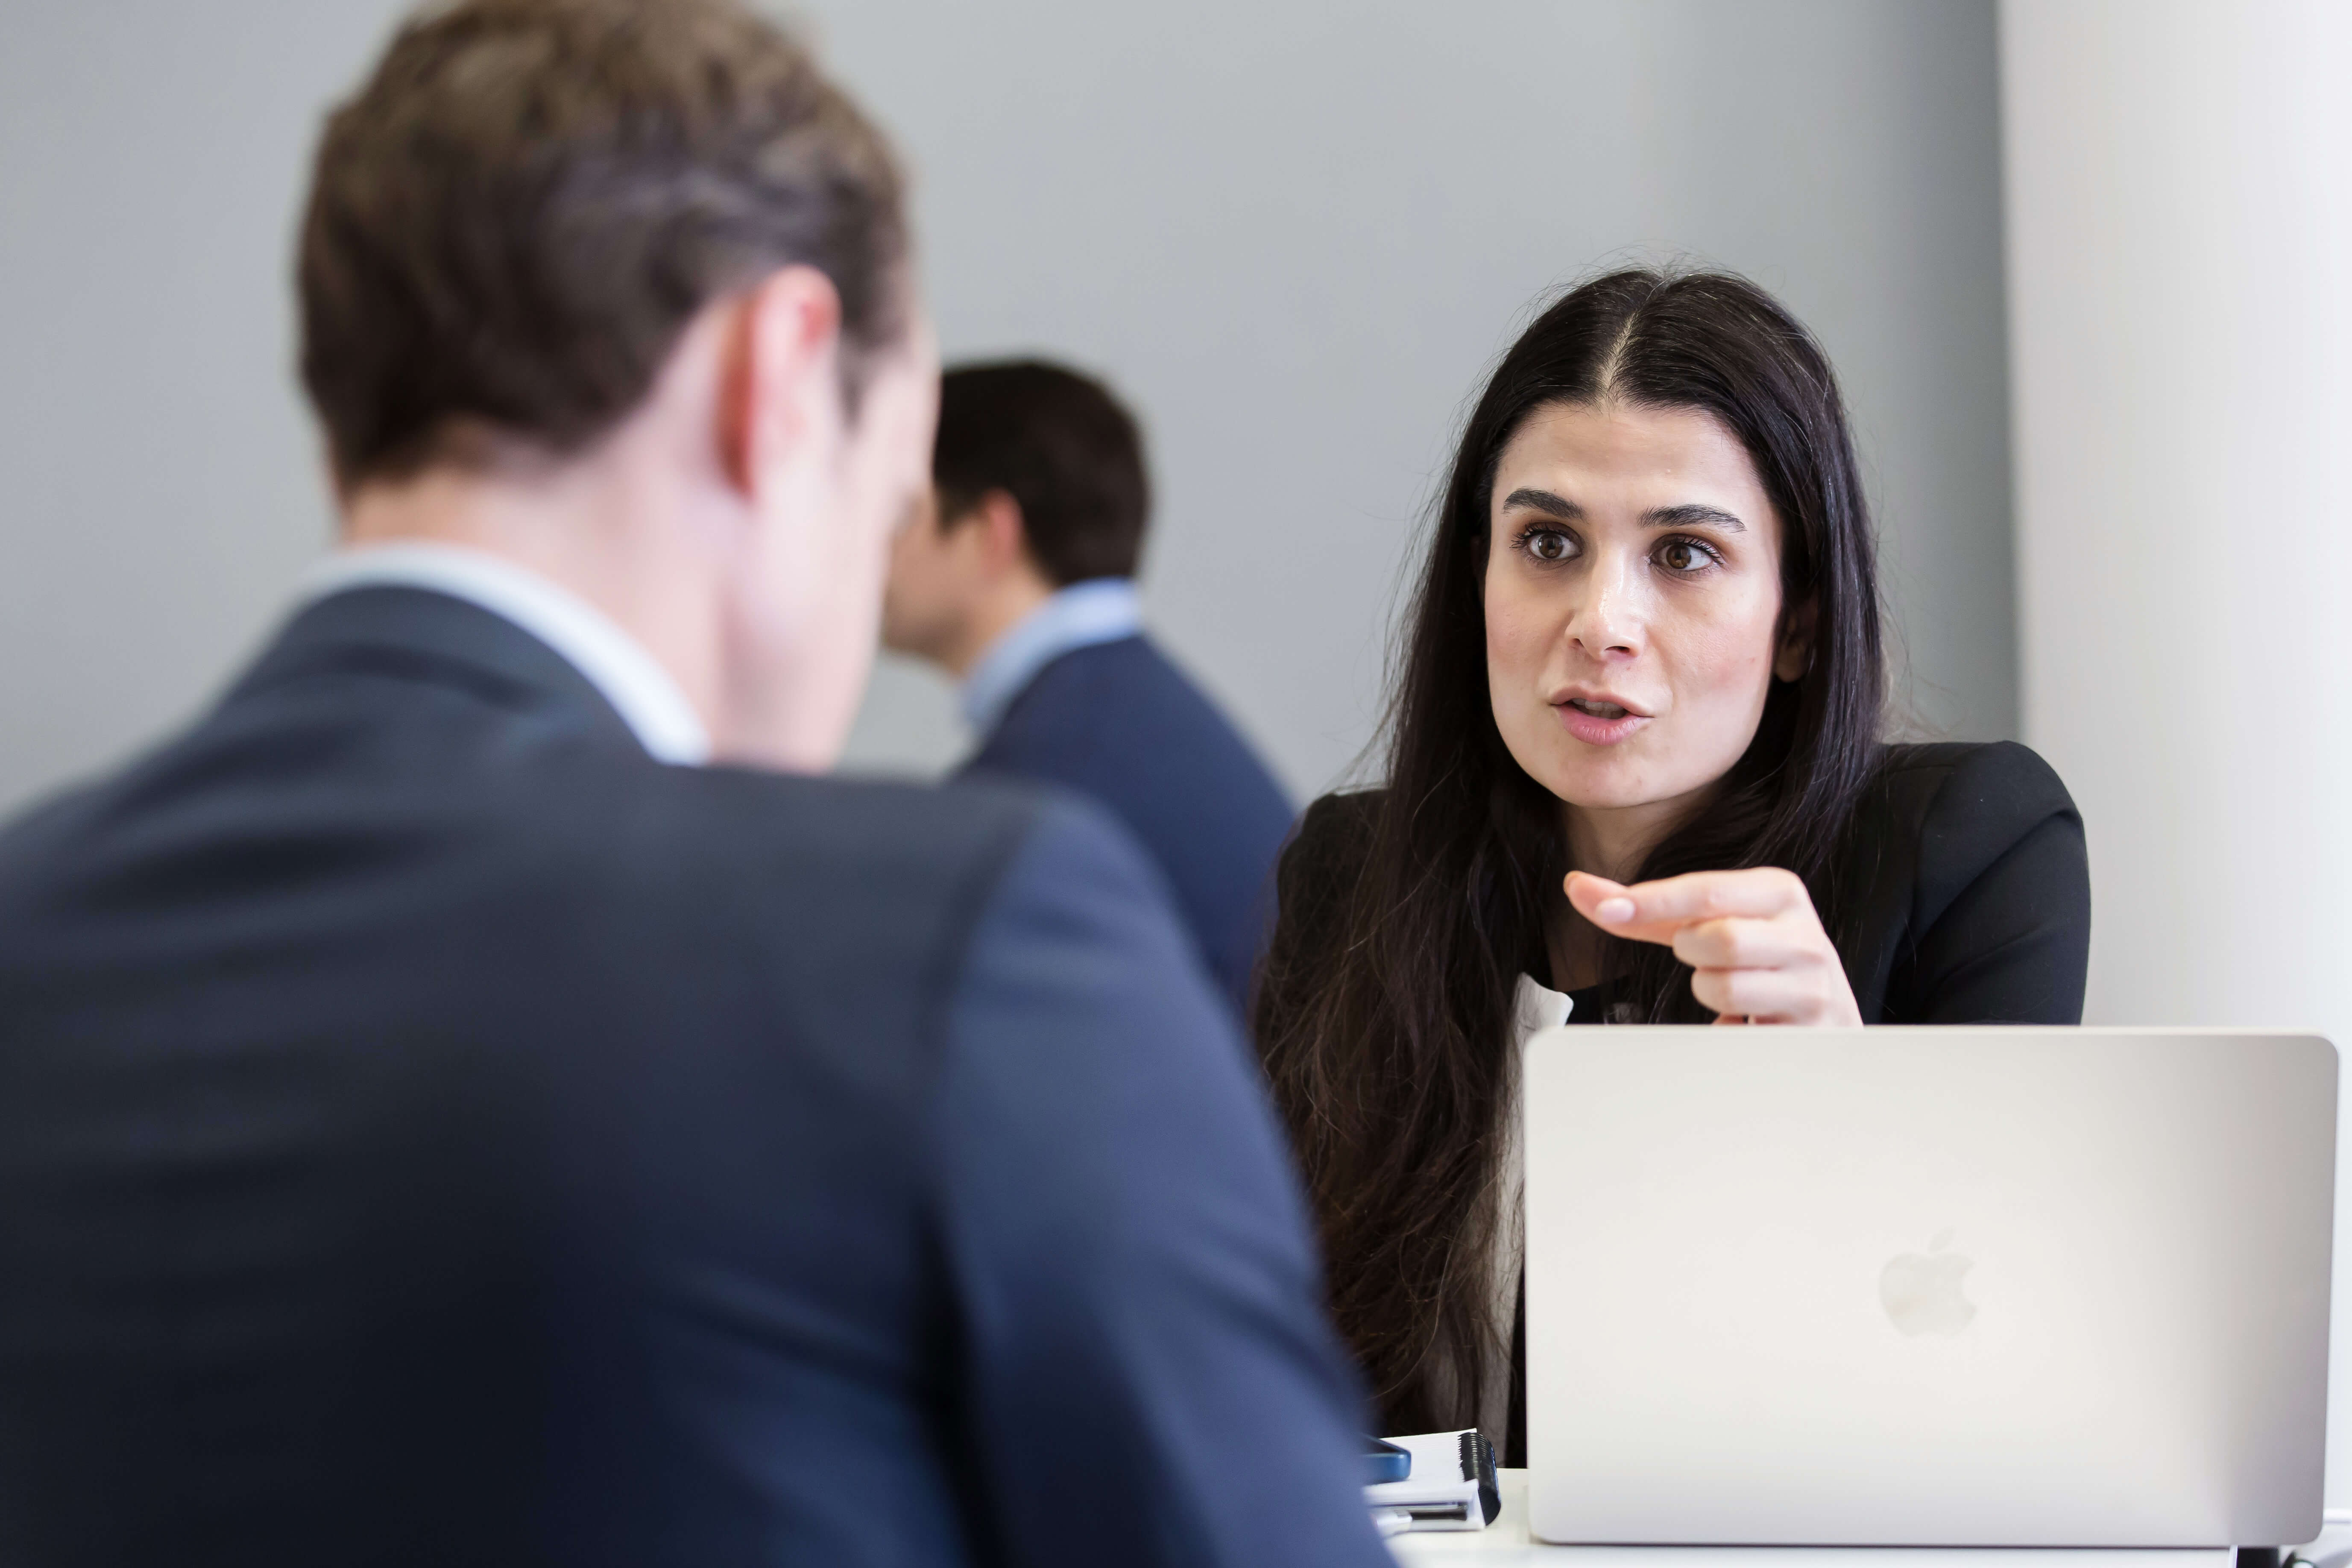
[1546, 502]
[1691, 514]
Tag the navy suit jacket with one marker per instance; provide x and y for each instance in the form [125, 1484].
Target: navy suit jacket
[432, 1132]
[1120, 723]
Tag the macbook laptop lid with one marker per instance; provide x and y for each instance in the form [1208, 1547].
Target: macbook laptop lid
[1996, 1287]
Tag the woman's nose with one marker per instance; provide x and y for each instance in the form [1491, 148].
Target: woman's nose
[1608, 623]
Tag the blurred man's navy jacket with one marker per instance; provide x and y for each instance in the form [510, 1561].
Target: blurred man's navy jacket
[431, 1131]
[1116, 720]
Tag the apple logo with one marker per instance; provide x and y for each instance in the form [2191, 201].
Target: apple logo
[1921, 1290]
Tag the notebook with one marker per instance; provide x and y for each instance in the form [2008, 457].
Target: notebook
[1450, 1486]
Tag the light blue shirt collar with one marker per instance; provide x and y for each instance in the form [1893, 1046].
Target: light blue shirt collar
[1099, 610]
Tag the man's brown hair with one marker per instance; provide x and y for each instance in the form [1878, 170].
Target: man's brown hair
[515, 218]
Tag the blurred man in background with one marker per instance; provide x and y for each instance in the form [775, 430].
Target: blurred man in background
[443, 1122]
[1019, 580]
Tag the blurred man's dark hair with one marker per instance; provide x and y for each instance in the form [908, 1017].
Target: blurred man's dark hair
[1059, 443]
[514, 218]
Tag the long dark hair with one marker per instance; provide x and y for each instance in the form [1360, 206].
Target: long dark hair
[1387, 1043]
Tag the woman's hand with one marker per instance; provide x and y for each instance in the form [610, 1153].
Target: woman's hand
[1753, 936]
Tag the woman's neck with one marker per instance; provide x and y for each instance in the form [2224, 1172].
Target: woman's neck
[1612, 842]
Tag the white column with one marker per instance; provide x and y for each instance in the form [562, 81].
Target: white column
[2180, 211]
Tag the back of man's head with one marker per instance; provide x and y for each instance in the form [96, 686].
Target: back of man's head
[516, 215]
[1062, 447]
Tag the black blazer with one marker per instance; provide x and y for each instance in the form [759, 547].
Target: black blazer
[1967, 892]
[1119, 722]
[432, 1132]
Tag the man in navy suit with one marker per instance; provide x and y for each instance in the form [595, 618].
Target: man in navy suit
[479, 1096]
[1018, 579]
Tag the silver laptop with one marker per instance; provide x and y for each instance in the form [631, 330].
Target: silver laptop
[1936, 1287]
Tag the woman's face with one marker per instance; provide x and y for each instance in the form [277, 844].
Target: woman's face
[1632, 600]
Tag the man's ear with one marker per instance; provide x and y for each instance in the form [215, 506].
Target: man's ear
[1794, 658]
[1005, 534]
[781, 382]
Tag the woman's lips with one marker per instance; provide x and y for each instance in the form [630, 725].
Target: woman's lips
[1595, 729]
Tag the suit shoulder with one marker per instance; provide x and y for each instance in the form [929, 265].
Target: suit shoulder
[1989, 759]
[1070, 858]
[1952, 787]
[968, 830]
[798, 866]
[1339, 824]
[1121, 720]
[1323, 862]
[1128, 660]
[33, 839]
[743, 816]
[867, 898]
[1967, 807]
[1097, 675]
[1129, 683]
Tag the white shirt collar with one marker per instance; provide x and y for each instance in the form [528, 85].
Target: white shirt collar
[1534, 1008]
[640, 690]
[1099, 610]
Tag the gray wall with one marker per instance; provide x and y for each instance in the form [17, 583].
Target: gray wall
[158, 486]
[1292, 233]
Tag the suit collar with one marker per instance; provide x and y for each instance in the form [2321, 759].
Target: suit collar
[644, 694]
[436, 638]
[1099, 610]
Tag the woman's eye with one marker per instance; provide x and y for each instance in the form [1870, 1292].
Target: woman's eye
[1547, 544]
[1684, 556]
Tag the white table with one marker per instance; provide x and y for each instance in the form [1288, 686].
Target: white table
[1506, 1541]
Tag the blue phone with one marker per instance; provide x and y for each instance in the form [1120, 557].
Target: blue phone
[1384, 1461]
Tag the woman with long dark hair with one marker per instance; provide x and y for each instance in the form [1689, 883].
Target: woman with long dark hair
[1635, 775]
